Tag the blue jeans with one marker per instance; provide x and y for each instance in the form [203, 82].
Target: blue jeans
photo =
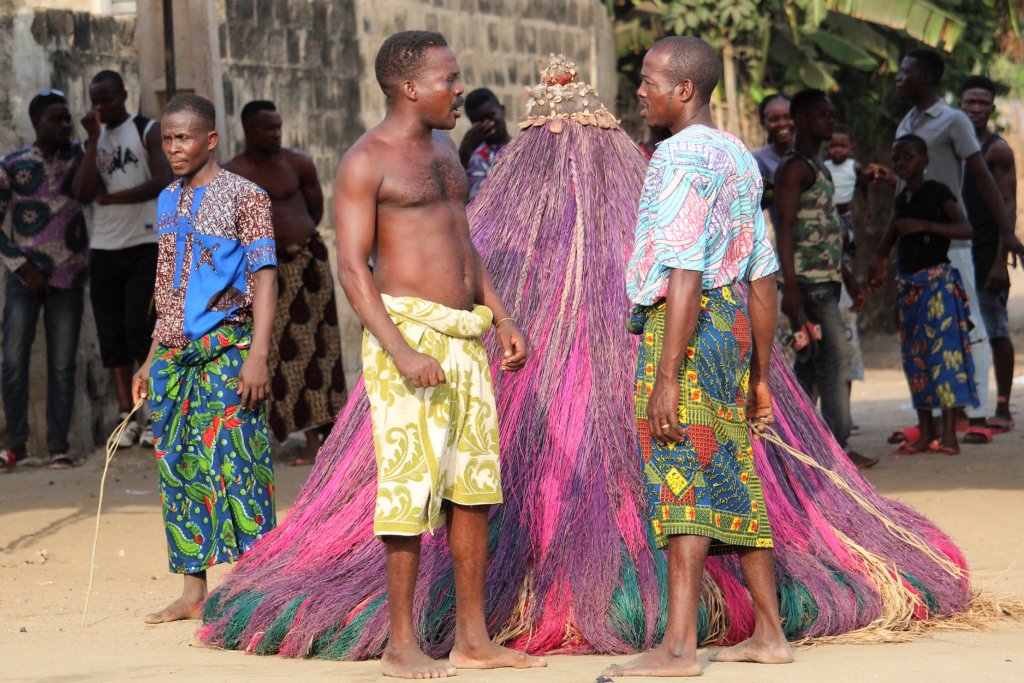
[827, 376]
[63, 322]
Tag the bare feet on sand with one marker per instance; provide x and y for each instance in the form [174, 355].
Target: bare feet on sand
[492, 656]
[182, 608]
[410, 662]
[761, 653]
[658, 662]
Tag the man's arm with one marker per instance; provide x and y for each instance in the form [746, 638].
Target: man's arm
[356, 187]
[790, 179]
[309, 183]
[254, 377]
[87, 183]
[880, 262]
[762, 311]
[506, 329]
[159, 169]
[682, 306]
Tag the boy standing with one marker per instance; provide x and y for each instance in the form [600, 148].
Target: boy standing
[206, 376]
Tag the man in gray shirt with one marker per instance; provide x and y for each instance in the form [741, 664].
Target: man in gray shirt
[952, 144]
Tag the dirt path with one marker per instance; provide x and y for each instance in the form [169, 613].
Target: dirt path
[46, 529]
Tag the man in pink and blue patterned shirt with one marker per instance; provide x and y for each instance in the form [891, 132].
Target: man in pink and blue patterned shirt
[46, 253]
[700, 231]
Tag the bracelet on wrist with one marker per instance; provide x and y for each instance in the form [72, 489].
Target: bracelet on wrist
[498, 322]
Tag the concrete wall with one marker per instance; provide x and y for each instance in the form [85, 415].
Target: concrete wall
[498, 43]
[61, 49]
[314, 58]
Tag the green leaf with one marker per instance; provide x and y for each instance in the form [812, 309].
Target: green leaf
[861, 33]
[842, 50]
[920, 19]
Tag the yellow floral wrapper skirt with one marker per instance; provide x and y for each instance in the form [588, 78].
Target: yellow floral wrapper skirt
[438, 443]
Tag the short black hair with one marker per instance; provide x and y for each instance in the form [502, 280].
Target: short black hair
[763, 107]
[930, 62]
[479, 98]
[804, 100]
[843, 129]
[108, 76]
[43, 100]
[978, 83]
[915, 141]
[692, 59]
[198, 105]
[255, 107]
[399, 57]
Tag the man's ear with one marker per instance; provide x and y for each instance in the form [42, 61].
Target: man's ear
[685, 90]
[211, 143]
[408, 89]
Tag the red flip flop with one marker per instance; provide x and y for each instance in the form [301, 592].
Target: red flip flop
[912, 433]
[977, 435]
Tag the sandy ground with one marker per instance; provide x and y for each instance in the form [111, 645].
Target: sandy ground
[46, 530]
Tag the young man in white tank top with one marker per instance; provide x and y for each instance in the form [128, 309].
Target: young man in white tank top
[122, 174]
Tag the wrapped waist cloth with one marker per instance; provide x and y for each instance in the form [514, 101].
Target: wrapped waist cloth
[434, 443]
[705, 484]
[213, 454]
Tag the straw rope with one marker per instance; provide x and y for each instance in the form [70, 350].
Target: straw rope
[112, 441]
[908, 537]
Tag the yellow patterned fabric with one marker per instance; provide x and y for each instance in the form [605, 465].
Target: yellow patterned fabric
[438, 443]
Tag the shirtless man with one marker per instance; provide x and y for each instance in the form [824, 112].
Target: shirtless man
[400, 195]
[307, 312]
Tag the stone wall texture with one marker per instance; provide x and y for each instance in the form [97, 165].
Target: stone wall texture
[314, 58]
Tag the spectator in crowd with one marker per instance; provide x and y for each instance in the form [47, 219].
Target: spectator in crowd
[485, 140]
[810, 248]
[122, 173]
[46, 254]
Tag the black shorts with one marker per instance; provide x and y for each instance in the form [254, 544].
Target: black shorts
[121, 291]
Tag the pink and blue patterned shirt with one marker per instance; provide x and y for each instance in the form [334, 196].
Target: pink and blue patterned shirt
[700, 210]
[47, 223]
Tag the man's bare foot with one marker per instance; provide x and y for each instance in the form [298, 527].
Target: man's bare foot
[761, 653]
[182, 608]
[492, 656]
[410, 662]
[657, 662]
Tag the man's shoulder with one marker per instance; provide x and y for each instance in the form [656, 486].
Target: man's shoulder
[17, 155]
[237, 184]
[707, 146]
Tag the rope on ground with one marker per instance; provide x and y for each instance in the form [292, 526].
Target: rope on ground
[911, 539]
[112, 442]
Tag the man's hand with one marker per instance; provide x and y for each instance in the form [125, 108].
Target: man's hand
[759, 405]
[857, 294]
[33, 278]
[421, 370]
[908, 226]
[253, 381]
[877, 173]
[876, 271]
[91, 123]
[513, 344]
[1014, 249]
[998, 279]
[792, 300]
[663, 412]
[140, 382]
[101, 199]
[476, 134]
